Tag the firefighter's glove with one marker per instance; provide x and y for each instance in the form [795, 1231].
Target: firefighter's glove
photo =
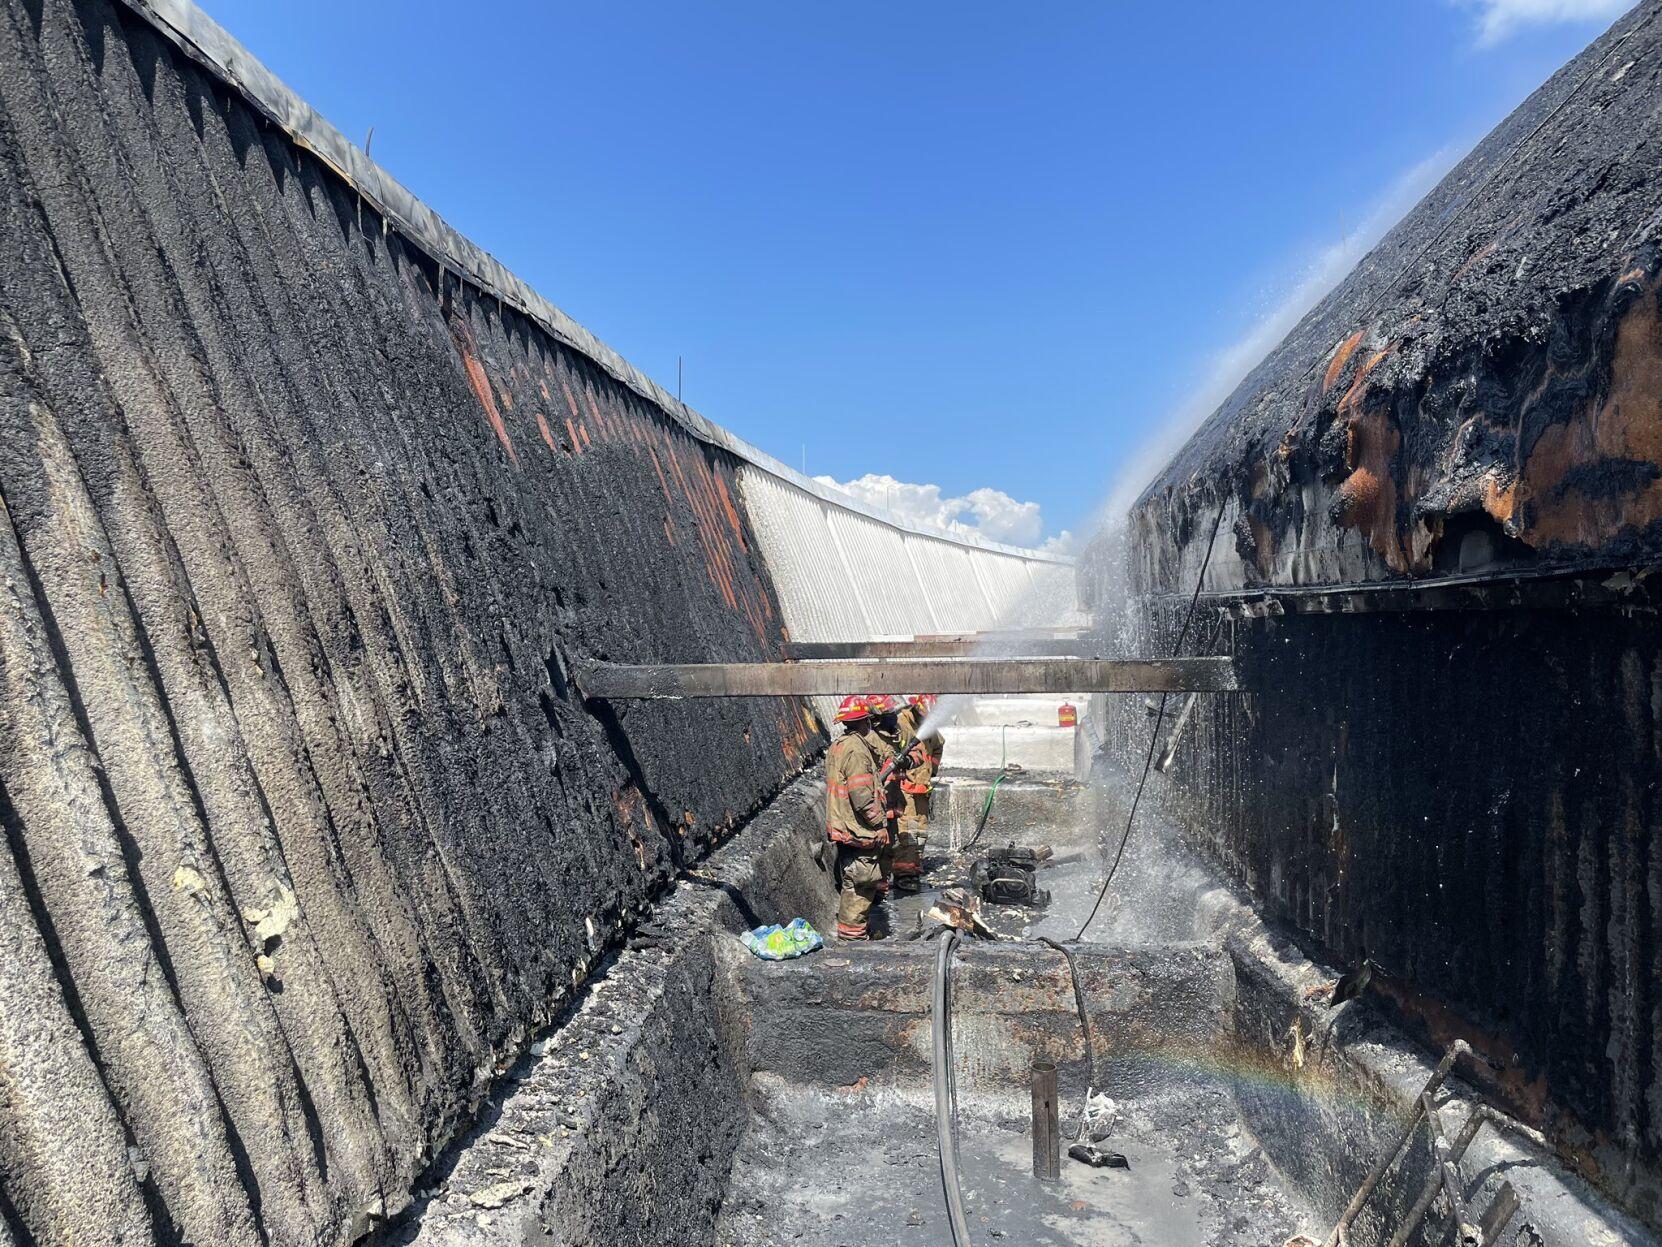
[905, 760]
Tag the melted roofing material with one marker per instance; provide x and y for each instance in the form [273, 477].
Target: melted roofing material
[1481, 392]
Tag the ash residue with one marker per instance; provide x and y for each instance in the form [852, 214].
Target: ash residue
[858, 1168]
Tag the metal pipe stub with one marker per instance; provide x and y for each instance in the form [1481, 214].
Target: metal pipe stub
[1047, 1131]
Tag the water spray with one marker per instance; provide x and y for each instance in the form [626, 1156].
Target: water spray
[1154, 732]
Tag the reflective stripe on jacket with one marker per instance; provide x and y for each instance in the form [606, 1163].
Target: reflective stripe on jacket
[854, 812]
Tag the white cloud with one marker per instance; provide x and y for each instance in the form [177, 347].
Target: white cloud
[1499, 18]
[1063, 542]
[985, 512]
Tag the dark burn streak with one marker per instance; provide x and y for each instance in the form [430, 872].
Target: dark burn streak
[1525, 455]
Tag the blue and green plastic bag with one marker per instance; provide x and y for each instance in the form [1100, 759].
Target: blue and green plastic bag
[777, 943]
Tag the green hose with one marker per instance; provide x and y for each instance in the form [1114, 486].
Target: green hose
[1005, 770]
[986, 809]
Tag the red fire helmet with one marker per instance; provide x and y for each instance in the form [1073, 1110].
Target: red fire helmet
[879, 703]
[852, 708]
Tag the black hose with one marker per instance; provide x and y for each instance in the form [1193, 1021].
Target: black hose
[946, 1098]
[1095, 1082]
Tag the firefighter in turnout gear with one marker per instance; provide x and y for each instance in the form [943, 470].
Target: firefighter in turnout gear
[856, 819]
[886, 744]
[916, 783]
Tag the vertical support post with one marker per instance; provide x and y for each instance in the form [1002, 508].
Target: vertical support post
[1047, 1135]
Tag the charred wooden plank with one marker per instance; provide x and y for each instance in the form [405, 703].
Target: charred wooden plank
[969, 646]
[614, 681]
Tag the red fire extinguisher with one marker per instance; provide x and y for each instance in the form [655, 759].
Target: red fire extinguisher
[1066, 715]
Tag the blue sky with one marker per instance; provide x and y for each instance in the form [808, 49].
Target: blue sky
[974, 247]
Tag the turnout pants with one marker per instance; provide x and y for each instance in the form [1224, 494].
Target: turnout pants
[911, 837]
[859, 874]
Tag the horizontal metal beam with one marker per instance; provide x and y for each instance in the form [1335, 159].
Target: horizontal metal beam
[1595, 587]
[614, 682]
[942, 647]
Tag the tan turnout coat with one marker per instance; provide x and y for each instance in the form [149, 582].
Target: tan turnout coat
[854, 812]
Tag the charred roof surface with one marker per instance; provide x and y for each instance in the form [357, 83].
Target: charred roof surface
[1481, 392]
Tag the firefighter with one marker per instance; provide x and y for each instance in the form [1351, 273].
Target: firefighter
[885, 718]
[912, 830]
[856, 819]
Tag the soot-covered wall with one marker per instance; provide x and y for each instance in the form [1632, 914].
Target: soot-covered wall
[304, 825]
[1472, 799]
[1426, 523]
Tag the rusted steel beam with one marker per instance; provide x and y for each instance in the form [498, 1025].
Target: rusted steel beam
[612, 682]
[1501, 1211]
[1453, 1181]
[986, 645]
[1341, 1231]
[1481, 1115]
